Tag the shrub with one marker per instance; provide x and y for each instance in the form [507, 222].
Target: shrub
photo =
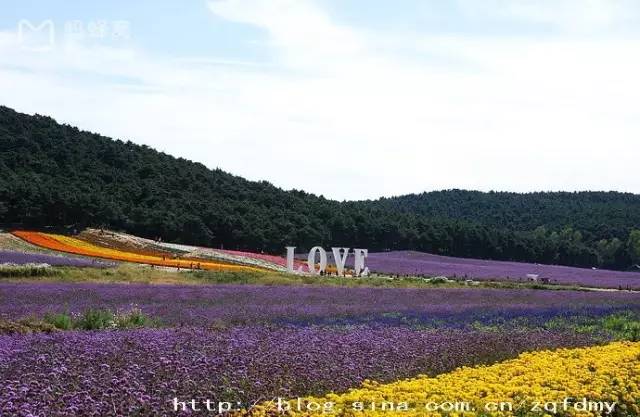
[96, 319]
[59, 321]
[28, 270]
[625, 326]
[132, 318]
[25, 326]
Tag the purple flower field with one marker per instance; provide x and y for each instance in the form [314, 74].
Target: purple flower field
[139, 372]
[245, 304]
[419, 263]
[253, 343]
[22, 258]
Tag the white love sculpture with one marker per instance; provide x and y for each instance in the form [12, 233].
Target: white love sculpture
[339, 254]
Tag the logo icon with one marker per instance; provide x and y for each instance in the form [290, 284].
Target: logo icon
[40, 37]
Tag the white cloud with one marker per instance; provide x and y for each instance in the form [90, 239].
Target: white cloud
[333, 115]
[298, 30]
[567, 15]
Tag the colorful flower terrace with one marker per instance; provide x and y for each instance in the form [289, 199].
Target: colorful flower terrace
[80, 246]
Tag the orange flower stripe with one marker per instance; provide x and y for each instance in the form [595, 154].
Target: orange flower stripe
[79, 247]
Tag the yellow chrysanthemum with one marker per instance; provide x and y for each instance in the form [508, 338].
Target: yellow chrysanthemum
[569, 382]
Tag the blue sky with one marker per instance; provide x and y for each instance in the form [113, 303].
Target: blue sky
[349, 99]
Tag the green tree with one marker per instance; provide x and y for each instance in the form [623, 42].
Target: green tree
[58, 175]
[633, 246]
[608, 251]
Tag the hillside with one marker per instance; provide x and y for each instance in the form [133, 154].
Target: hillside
[57, 175]
[596, 214]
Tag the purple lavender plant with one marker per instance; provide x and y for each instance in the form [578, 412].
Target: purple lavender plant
[123, 373]
[22, 258]
[418, 263]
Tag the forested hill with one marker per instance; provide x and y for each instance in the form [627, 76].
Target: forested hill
[57, 175]
[597, 214]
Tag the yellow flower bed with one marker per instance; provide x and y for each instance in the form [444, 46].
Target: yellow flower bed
[564, 382]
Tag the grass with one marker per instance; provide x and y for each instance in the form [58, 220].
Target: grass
[96, 319]
[25, 326]
[133, 273]
[92, 319]
[59, 321]
[17, 271]
[623, 325]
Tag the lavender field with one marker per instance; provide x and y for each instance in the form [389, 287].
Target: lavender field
[274, 305]
[419, 263]
[247, 343]
[139, 372]
[23, 258]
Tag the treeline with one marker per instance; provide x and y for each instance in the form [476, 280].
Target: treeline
[57, 175]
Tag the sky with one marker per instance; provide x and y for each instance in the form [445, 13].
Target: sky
[351, 99]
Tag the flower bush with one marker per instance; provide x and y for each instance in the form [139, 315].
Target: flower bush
[80, 247]
[203, 305]
[419, 263]
[608, 373]
[138, 372]
[135, 244]
[22, 258]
